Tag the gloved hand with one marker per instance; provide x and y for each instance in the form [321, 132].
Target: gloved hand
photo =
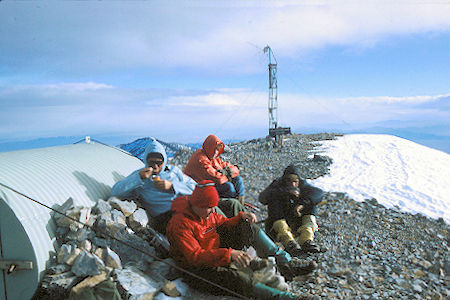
[293, 191]
[226, 171]
[298, 209]
[291, 194]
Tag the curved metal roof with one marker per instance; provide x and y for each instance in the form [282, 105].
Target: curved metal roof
[84, 172]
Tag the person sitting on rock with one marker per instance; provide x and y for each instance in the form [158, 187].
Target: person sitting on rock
[291, 211]
[205, 164]
[208, 245]
[157, 184]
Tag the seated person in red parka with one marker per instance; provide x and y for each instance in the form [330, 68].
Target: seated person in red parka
[205, 164]
[206, 243]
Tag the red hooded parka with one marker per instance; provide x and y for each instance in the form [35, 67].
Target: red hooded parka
[194, 241]
[202, 164]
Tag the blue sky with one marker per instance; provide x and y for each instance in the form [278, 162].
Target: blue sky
[180, 70]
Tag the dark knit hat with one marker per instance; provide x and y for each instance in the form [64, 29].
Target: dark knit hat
[204, 194]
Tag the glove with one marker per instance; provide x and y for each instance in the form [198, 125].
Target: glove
[294, 192]
[298, 209]
[226, 171]
[291, 193]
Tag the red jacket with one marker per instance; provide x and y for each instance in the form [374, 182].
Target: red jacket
[203, 166]
[194, 242]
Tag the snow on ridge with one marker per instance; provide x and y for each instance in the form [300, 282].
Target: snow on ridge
[393, 170]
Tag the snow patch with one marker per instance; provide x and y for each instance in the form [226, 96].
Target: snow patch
[395, 171]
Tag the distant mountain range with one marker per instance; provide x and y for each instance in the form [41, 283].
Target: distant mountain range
[419, 135]
[137, 147]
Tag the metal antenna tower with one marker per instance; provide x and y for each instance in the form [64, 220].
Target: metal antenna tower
[273, 89]
[274, 130]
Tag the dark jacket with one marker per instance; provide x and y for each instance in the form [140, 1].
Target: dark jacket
[281, 205]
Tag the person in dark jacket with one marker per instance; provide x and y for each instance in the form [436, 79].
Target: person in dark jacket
[292, 208]
[208, 244]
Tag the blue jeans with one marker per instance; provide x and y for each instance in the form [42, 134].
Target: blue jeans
[231, 189]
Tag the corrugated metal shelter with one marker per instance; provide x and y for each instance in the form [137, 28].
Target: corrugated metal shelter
[85, 172]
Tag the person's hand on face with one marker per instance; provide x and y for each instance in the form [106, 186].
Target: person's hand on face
[146, 173]
[156, 164]
[217, 150]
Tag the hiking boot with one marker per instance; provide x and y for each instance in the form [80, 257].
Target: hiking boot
[286, 270]
[302, 266]
[294, 249]
[296, 267]
[310, 247]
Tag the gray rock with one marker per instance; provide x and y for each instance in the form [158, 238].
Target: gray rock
[118, 217]
[87, 264]
[140, 254]
[136, 283]
[68, 253]
[57, 286]
[78, 217]
[58, 269]
[80, 235]
[164, 269]
[138, 220]
[85, 245]
[126, 207]
[102, 207]
[111, 259]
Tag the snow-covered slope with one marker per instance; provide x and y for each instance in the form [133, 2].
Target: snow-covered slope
[393, 170]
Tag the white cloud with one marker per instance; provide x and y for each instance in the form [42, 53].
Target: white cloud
[390, 99]
[77, 87]
[222, 99]
[223, 35]
[81, 108]
[354, 111]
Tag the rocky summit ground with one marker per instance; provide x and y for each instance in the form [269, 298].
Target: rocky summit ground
[373, 252]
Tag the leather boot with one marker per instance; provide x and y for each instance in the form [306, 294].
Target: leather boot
[311, 247]
[293, 248]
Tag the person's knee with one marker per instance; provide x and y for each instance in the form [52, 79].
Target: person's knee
[238, 183]
[226, 190]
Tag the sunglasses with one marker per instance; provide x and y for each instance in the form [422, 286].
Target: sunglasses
[152, 162]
